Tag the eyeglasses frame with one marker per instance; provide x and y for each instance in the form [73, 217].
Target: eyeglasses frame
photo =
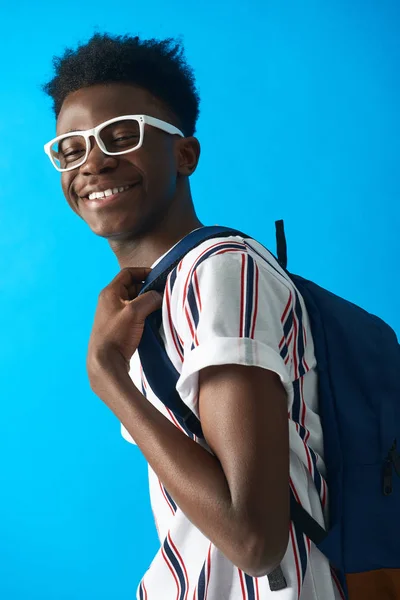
[142, 120]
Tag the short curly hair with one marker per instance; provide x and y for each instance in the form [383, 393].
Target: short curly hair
[159, 66]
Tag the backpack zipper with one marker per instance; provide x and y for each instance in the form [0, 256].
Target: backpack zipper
[392, 460]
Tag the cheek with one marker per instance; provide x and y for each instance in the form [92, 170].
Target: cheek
[65, 184]
[160, 169]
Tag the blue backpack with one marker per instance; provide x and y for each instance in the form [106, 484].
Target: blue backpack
[358, 363]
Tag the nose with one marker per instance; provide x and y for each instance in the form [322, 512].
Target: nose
[97, 161]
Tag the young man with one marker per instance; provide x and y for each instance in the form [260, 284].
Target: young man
[233, 325]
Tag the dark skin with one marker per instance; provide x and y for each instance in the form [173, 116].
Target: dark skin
[161, 210]
[239, 495]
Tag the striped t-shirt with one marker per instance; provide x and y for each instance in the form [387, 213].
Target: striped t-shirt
[229, 302]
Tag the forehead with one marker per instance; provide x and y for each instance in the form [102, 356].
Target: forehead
[92, 105]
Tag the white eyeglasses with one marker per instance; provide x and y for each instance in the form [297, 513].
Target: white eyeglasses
[115, 136]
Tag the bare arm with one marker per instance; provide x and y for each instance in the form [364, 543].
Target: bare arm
[238, 498]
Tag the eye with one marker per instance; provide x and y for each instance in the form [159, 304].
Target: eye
[122, 138]
[72, 153]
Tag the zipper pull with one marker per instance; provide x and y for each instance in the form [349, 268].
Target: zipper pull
[387, 478]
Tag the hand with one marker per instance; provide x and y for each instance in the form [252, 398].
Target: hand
[119, 319]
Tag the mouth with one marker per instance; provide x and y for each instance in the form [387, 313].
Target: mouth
[109, 199]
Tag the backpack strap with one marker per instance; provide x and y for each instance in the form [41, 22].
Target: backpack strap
[281, 247]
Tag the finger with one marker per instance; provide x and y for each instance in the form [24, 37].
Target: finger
[124, 284]
[146, 304]
[134, 274]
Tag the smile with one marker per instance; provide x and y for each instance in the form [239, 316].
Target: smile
[108, 192]
[99, 199]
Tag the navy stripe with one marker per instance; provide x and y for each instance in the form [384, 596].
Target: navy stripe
[227, 246]
[171, 282]
[284, 352]
[177, 568]
[185, 429]
[288, 324]
[249, 296]
[302, 551]
[296, 404]
[140, 592]
[191, 297]
[317, 475]
[201, 585]
[300, 340]
[170, 499]
[287, 327]
[172, 278]
[263, 257]
[299, 313]
[250, 587]
[193, 308]
[214, 251]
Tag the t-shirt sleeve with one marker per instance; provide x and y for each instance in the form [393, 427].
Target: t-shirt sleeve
[229, 309]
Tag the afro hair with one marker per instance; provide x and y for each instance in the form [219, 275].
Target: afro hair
[159, 66]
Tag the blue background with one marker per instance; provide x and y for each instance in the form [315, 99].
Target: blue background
[299, 120]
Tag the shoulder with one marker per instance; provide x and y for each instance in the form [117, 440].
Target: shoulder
[222, 257]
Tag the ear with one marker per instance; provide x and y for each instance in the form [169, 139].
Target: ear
[188, 150]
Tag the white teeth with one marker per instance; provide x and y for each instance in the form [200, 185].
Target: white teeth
[108, 192]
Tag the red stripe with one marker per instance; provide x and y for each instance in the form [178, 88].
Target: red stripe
[208, 571]
[242, 296]
[338, 585]
[307, 435]
[294, 490]
[178, 586]
[171, 414]
[289, 302]
[143, 377]
[166, 497]
[257, 592]
[307, 368]
[145, 591]
[296, 559]
[256, 303]
[170, 323]
[181, 563]
[196, 283]
[295, 357]
[189, 323]
[324, 490]
[244, 594]
[308, 542]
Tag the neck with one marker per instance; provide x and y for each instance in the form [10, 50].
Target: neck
[144, 249]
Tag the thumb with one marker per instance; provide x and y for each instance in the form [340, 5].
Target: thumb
[147, 303]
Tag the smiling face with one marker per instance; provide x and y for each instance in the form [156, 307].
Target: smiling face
[155, 176]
